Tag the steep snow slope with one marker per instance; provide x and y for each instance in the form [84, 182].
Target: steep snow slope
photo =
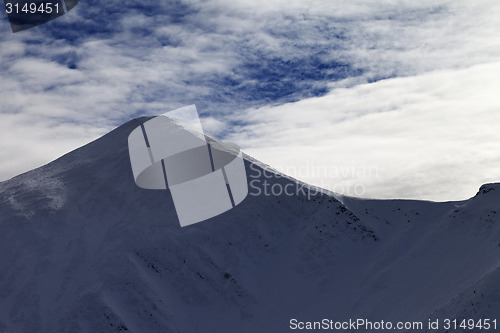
[83, 249]
[436, 251]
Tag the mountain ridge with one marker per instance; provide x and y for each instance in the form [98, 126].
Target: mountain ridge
[84, 249]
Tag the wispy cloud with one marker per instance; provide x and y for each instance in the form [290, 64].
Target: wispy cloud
[105, 62]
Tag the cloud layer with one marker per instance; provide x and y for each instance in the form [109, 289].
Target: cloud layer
[431, 136]
[73, 79]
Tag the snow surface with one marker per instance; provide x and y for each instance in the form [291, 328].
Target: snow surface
[83, 249]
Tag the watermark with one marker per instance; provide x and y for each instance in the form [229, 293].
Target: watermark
[26, 14]
[311, 169]
[354, 324]
[205, 178]
[263, 182]
[364, 325]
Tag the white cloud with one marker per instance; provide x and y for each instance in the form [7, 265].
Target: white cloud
[125, 73]
[212, 126]
[27, 143]
[432, 136]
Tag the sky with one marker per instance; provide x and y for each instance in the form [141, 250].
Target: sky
[379, 99]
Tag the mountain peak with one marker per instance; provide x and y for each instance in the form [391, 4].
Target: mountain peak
[82, 248]
[487, 188]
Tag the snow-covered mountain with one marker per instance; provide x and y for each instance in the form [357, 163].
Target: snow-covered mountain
[83, 249]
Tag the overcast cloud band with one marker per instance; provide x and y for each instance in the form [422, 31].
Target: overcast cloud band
[205, 179]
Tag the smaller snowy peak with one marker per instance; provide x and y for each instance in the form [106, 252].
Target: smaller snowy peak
[488, 189]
